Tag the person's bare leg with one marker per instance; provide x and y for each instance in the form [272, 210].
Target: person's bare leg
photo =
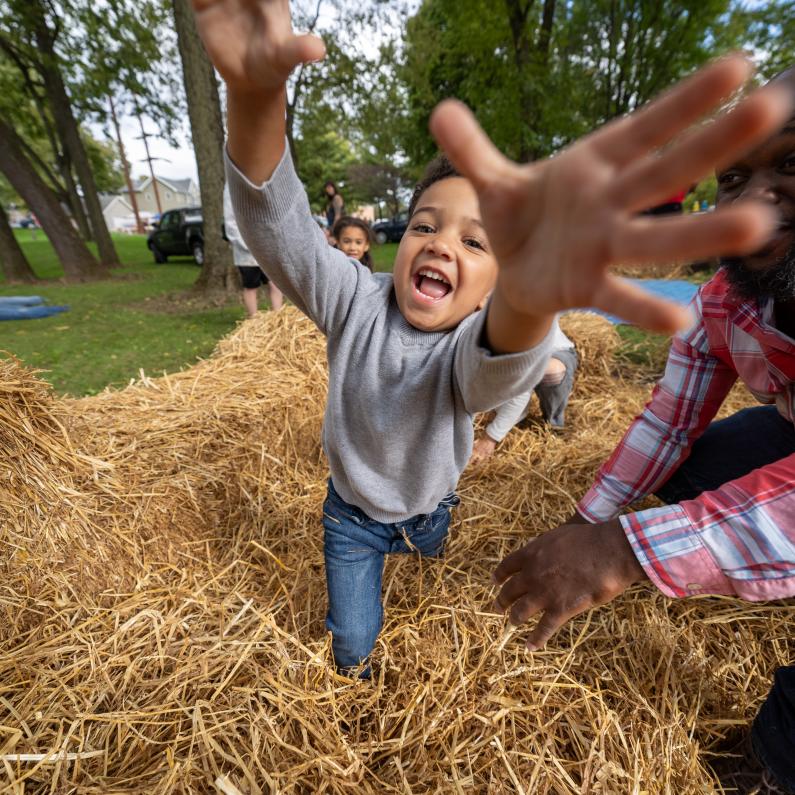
[250, 300]
[276, 297]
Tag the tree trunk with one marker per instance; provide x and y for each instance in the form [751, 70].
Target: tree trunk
[69, 134]
[13, 264]
[73, 197]
[519, 21]
[218, 275]
[79, 264]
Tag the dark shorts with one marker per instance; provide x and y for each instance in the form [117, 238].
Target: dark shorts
[253, 277]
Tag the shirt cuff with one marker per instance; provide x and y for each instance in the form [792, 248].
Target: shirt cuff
[671, 553]
[596, 507]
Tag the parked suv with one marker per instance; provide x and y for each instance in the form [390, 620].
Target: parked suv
[179, 233]
[392, 230]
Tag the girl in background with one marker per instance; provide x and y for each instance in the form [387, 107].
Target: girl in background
[353, 238]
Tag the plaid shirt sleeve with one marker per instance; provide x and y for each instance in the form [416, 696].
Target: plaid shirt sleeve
[738, 540]
[682, 405]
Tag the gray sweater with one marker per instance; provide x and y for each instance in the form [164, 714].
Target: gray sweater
[398, 425]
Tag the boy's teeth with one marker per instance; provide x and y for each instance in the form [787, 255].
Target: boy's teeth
[432, 275]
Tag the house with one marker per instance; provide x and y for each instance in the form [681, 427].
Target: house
[173, 193]
[116, 208]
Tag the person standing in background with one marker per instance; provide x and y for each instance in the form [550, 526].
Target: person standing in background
[253, 276]
[335, 208]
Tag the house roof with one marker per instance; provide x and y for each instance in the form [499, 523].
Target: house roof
[106, 199]
[177, 185]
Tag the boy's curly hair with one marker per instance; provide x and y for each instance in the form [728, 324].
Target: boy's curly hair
[438, 169]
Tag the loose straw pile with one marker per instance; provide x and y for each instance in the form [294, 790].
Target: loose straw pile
[162, 601]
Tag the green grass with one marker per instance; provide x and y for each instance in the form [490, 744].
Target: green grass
[109, 334]
[384, 257]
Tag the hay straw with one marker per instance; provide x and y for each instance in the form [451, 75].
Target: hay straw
[162, 601]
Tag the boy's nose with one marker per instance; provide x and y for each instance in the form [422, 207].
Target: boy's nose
[439, 247]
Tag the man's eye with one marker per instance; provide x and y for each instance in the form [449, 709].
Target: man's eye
[789, 163]
[729, 179]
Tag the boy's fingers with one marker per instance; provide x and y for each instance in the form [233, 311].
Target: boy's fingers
[470, 150]
[631, 303]
[302, 49]
[737, 230]
[624, 140]
[651, 180]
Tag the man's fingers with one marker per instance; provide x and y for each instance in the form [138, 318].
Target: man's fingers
[626, 139]
[509, 565]
[620, 297]
[523, 609]
[547, 626]
[651, 180]
[470, 150]
[741, 229]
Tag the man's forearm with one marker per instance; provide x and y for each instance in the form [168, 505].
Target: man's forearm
[257, 127]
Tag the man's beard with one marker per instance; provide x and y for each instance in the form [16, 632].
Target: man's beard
[776, 282]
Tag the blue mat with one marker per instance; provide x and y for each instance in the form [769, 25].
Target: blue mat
[673, 289]
[20, 300]
[27, 307]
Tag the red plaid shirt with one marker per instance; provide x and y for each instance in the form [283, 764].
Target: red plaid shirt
[740, 538]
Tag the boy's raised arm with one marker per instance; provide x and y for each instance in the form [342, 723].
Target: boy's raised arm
[556, 225]
[253, 47]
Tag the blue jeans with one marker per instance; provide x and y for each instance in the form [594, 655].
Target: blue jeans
[354, 546]
[727, 450]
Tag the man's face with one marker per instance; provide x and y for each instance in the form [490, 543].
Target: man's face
[768, 175]
[444, 266]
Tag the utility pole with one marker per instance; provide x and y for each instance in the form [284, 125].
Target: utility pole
[139, 227]
[145, 138]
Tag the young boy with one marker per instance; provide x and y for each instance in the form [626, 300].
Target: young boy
[409, 362]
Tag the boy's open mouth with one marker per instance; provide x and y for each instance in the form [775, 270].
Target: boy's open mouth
[431, 284]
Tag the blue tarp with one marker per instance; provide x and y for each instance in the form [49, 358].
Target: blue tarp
[20, 300]
[673, 289]
[26, 307]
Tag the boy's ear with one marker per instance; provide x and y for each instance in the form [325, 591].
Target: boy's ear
[485, 299]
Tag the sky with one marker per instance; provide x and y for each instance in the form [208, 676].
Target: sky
[179, 162]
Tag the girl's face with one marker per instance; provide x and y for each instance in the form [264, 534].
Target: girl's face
[353, 242]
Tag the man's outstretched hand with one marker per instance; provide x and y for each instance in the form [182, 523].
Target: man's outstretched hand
[566, 571]
[556, 225]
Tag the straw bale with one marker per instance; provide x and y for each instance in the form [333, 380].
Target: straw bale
[162, 601]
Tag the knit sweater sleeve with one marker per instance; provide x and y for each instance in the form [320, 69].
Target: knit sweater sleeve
[486, 380]
[278, 228]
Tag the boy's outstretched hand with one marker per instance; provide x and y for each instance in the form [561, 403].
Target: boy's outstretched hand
[253, 47]
[251, 42]
[556, 225]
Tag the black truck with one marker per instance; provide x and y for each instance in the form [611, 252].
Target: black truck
[179, 233]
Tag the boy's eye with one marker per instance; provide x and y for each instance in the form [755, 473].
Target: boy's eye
[421, 226]
[473, 242]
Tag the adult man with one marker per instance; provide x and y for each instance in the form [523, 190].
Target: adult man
[729, 523]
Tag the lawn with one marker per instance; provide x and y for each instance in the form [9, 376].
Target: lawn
[109, 333]
[115, 328]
